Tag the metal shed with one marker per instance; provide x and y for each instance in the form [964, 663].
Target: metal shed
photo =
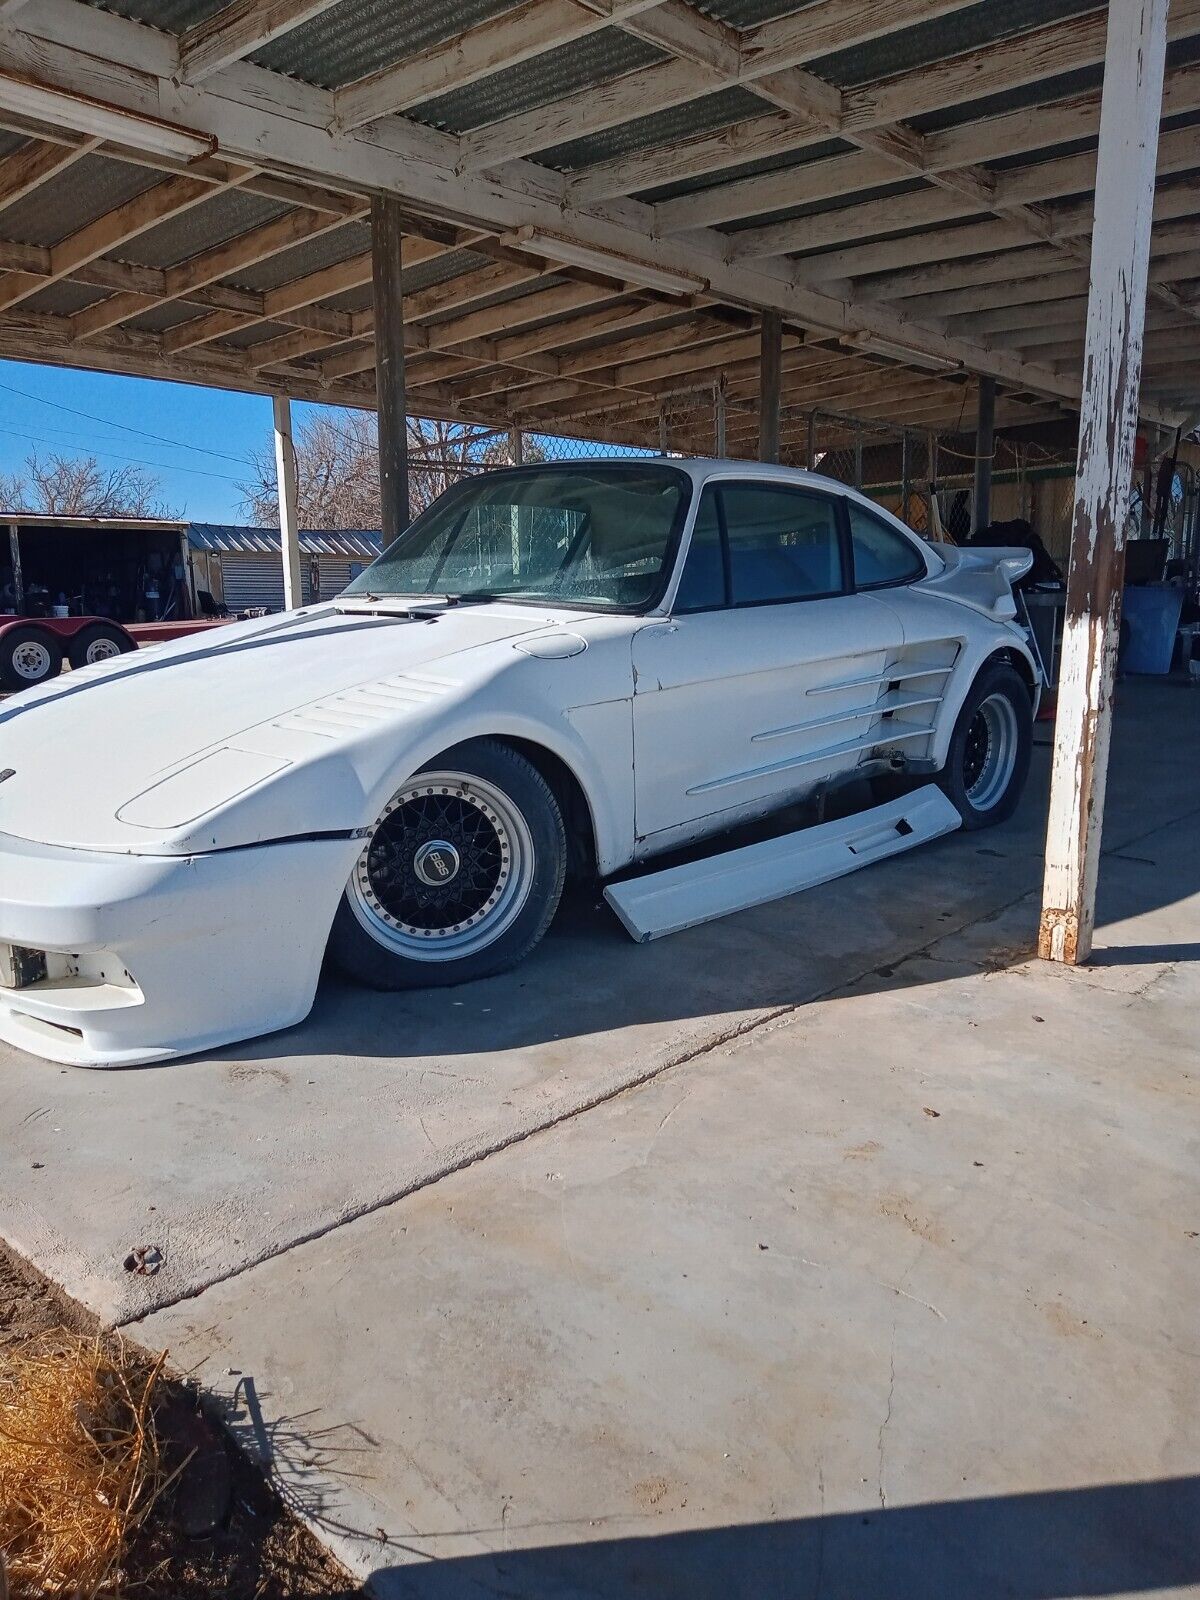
[243, 567]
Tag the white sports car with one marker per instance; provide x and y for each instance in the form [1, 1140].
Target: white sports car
[567, 667]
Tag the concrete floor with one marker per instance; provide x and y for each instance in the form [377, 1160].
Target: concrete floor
[763, 1325]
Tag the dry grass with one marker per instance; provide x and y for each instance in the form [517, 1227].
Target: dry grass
[79, 1463]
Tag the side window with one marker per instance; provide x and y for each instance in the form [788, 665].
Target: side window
[783, 544]
[881, 555]
[702, 583]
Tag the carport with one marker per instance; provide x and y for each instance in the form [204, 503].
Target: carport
[843, 1248]
[650, 224]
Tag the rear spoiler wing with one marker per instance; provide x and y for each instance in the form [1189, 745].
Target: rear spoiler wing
[981, 577]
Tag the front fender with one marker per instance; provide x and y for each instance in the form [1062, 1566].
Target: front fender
[347, 755]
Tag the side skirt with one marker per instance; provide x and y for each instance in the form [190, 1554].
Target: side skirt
[680, 897]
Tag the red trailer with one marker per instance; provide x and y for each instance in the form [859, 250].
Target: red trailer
[127, 581]
[33, 649]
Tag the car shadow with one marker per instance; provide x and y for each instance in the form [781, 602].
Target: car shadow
[589, 978]
[1111, 1539]
[974, 898]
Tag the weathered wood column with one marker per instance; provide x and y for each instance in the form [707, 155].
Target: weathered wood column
[1125, 171]
[386, 240]
[770, 376]
[985, 444]
[289, 504]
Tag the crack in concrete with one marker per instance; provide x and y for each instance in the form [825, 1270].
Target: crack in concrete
[887, 1415]
[726, 1036]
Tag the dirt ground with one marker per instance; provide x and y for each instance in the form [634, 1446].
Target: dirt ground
[221, 1530]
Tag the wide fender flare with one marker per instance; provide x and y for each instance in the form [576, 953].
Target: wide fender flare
[594, 742]
[975, 656]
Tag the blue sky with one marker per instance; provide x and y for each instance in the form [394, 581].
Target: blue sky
[201, 437]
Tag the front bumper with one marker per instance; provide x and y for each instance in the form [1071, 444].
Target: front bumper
[151, 957]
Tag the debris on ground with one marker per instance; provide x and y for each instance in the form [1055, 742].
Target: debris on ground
[144, 1259]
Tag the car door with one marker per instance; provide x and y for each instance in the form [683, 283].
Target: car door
[758, 683]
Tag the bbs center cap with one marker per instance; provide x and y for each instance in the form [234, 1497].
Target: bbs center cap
[436, 863]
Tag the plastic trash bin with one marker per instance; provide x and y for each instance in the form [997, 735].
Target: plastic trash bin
[1152, 612]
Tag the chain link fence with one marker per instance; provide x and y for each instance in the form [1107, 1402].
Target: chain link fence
[925, 478]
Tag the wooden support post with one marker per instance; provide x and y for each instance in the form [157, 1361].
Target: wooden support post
[858, 461]
[18, 582]
[1125, 170]
[812, 441]
[386, 239]
[770, 375]
[516, 447]
[985, 445]
[289, 504]
[720, 416]
[904, 484]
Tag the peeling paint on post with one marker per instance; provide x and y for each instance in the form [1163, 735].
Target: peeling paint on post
[1125, 173]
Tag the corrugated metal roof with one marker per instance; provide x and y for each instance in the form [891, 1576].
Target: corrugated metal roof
[749, 13]
[597, 58]
[159, 318]
[172, 16]
[704, 115]
[358, 37]
[836, 202]
[355, 544]
[339, 244]
[502, 297]
[440, 269]
[63, 299]
[748, 169]
[199, 229]
[255, 333]
[74, 197]
[950, 35]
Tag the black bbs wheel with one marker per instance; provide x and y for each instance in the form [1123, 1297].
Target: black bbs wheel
[458, 877]
[988, 760]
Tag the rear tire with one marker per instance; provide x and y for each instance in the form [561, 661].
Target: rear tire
[29, 655]
[100, 642]
[988, 760]
[459, 876]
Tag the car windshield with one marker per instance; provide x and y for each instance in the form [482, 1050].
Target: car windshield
[599, 536]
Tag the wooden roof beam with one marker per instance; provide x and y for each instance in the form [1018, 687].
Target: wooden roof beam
[285, 123]
[114, 228]
[238, 30]
[517, 35]
[1038, 53]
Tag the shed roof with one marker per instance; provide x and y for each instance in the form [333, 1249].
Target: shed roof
[353, 544]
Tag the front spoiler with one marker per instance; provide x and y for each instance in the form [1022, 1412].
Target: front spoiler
[154, 957]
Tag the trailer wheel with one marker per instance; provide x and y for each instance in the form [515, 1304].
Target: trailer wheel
[28, 656]
[100, 642]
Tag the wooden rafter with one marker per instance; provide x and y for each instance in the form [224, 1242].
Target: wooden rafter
[238, 30]
[495, 359]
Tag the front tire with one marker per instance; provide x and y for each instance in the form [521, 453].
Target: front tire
[29, 655]
[459, 876]
[988, 759]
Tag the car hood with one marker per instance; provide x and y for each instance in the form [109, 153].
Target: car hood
[87, 750]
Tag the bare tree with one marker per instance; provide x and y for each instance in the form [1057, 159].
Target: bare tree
[78, 486]
[337, 468]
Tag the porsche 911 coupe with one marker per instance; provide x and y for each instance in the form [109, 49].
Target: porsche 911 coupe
[558, 667]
